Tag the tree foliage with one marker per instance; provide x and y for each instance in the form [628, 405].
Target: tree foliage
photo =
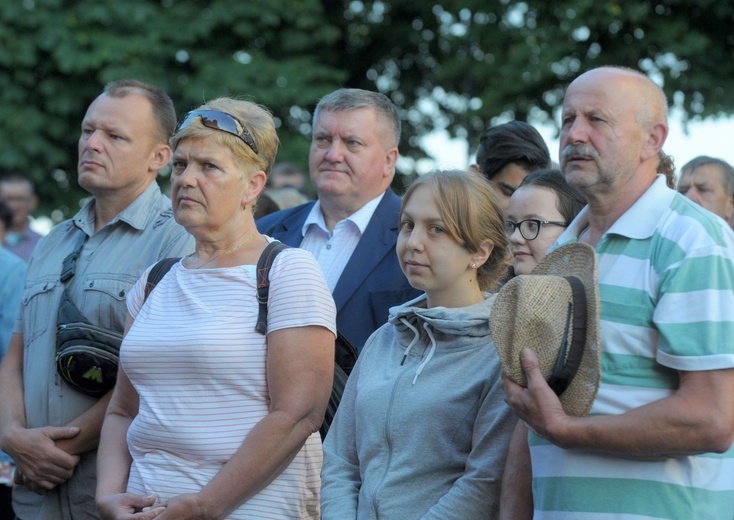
[462, 65]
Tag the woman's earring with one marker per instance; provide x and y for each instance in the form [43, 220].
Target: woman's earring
[473, 265]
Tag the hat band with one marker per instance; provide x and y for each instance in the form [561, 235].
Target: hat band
[567, 366]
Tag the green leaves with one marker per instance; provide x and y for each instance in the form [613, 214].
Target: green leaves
[473, 62]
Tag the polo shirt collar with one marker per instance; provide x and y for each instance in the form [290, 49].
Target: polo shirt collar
[641, 220]
[638, 222]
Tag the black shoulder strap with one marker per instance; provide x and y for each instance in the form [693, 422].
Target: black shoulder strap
[157, 272]
[263, 282]
[68, 267]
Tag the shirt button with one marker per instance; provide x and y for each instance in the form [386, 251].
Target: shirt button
[328, 246]
[91, 284]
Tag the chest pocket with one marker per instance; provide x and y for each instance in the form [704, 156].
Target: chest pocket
[103, 300]
[40, 304]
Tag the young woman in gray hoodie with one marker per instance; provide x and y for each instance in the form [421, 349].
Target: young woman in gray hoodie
[422, 429]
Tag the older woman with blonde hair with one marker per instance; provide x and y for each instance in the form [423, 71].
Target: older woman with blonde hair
[209, 418]
[422, 429]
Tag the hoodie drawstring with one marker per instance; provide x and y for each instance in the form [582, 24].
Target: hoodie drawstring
[427, 328]
[413, 342]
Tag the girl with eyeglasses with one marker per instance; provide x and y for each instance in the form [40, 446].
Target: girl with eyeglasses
[539, 211]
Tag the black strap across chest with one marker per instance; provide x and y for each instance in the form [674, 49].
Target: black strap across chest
[264, 263]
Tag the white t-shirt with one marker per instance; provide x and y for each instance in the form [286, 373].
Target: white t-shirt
[198, 364]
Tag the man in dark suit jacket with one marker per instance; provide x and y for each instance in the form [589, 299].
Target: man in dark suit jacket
[353, 227]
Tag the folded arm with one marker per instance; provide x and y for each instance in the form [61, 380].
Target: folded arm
[42, 463]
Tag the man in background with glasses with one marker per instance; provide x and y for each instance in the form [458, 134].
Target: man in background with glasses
[658, 440]
[353, 227]
[49, 428]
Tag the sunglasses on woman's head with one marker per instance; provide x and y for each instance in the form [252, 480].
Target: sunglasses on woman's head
[219, 120]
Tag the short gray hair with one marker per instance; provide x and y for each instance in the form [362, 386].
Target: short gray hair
[348, 99]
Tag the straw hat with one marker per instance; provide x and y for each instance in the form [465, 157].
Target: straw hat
[540, 311]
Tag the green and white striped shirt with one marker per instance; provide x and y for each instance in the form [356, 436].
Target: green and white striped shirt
[666, 277]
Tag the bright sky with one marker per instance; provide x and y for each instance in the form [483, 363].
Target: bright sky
[712, 137]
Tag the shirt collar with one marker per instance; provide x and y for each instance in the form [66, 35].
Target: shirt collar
[360, 218]
[137, 214]
[638, 222]
[641, 219]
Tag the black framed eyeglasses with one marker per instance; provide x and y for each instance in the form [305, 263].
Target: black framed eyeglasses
[218, 120]
[530, 227]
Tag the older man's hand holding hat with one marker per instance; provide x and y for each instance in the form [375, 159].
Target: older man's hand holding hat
[545, 327]
[537, 404]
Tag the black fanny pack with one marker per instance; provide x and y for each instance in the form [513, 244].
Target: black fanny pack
[86, 355]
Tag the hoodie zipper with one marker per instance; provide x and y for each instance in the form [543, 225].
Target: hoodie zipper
[388, 438]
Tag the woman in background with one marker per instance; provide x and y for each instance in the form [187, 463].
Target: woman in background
[540, 210]
[422, 429]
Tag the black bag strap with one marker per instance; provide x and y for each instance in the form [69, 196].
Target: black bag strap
[263, 282]
[264, 263]
[156, 274]
[68, 267]
[67, 309]
[346, 354]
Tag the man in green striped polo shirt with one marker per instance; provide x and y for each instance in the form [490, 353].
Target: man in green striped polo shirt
[658, 441]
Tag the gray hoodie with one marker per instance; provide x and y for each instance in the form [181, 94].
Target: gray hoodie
[422, 429]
